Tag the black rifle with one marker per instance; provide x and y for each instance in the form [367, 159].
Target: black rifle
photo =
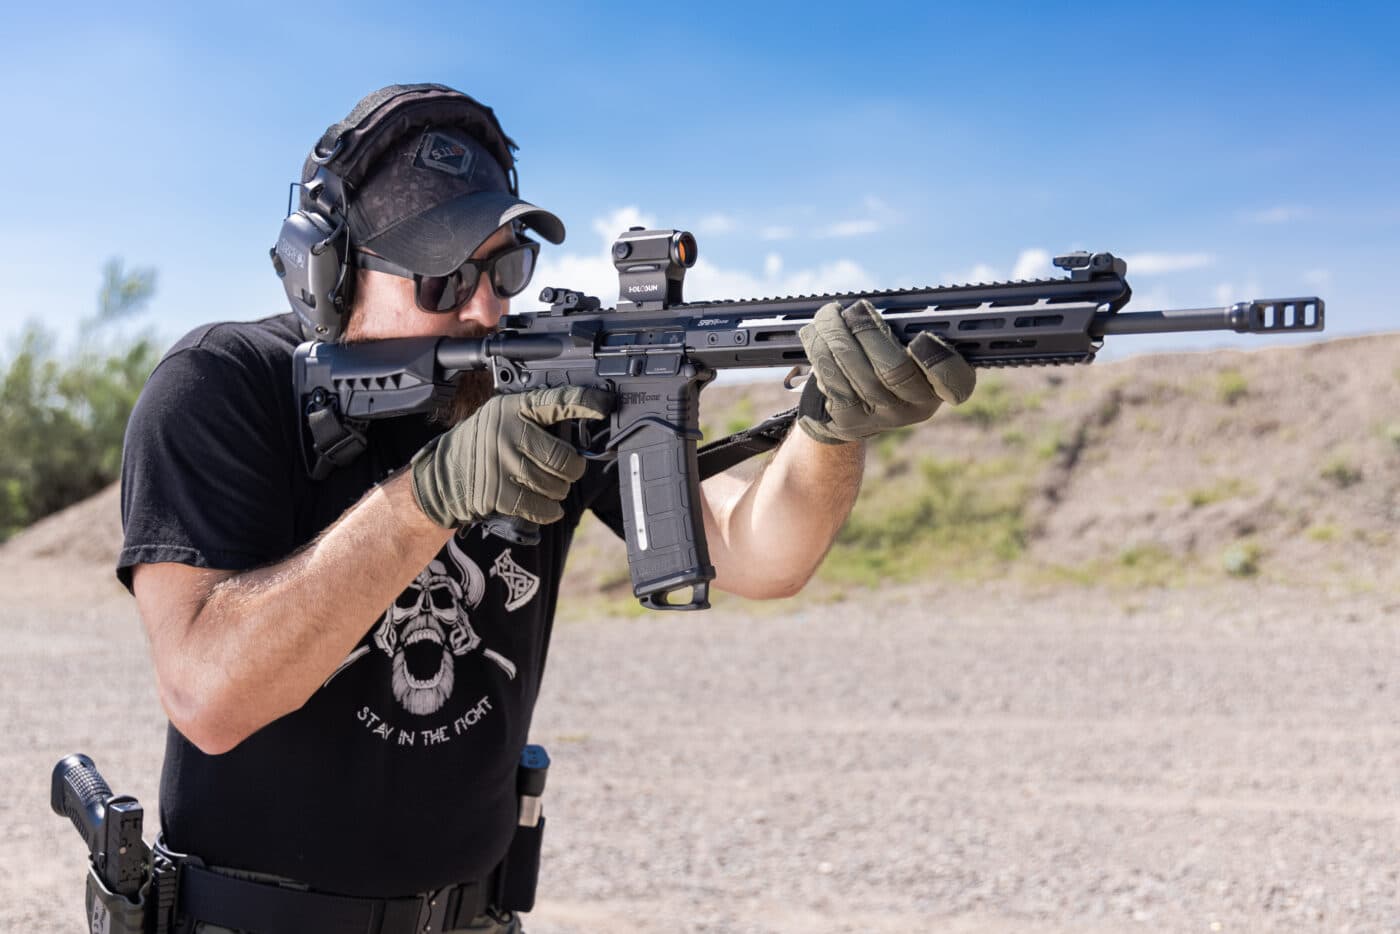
[657, 352]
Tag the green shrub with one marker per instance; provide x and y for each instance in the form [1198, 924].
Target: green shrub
[1323, 533]
[63, 414]
[1146, 423]
[1231, 386]
[1341, 473]
[1227, 488]
[1143, 556]
[1050, 444]
[1391, 433]
[991, 404]
[953, 516]
[742, 416]
[888, 443]
[1242, 559]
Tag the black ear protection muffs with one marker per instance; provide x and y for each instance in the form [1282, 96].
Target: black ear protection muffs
[312, 255]
[311, 259]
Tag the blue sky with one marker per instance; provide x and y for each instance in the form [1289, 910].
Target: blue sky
[1229, 151]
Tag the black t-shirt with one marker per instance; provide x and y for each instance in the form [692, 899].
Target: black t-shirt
[397, 776]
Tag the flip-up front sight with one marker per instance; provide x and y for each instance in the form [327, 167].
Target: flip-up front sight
[651, 267]
[1083, 265]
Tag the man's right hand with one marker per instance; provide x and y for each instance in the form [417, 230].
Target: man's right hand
[504, 460]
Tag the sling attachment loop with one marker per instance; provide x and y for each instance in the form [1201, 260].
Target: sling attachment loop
[337, 441]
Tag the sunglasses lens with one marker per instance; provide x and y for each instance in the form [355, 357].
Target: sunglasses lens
[512, 270]
[445, 293]
[510, 273]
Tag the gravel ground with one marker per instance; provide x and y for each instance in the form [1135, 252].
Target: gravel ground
[929, 759]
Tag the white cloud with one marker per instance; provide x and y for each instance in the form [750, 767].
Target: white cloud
[1281, 214]
[977, 274]
[593, 273]
[1156, 264]
[1318, 277]
[1227, 293]
[707, 281]
[610, 225]
[844, 275]
[876, 215]
[852, 228]
[716, 224]
[1033, 264]
[1153, 300]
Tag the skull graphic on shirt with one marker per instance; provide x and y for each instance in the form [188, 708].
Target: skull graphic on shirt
[429, 626]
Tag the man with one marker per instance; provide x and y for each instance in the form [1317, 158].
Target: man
[349, 663]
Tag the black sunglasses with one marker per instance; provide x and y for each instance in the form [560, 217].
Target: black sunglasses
[510, 271]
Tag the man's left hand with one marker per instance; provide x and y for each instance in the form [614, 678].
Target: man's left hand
[864, 381]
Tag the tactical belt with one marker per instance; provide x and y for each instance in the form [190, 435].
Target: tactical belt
[269, 908]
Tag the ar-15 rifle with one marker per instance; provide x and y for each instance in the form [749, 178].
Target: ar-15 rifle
[657, 352]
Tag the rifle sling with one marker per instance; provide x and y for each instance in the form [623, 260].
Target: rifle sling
[719, 456]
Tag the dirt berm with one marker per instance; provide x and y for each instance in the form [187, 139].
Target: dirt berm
[1112, 648]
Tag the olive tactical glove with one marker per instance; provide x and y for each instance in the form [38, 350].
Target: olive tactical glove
[864, 381]
[503, 460]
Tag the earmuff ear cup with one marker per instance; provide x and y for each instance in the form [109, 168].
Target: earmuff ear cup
[308, 260]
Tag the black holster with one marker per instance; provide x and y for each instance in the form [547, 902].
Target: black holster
[519, 872]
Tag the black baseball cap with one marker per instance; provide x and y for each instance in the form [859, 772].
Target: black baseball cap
[436, 196]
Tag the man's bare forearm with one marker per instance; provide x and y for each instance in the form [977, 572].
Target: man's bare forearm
[769, 536]
[264, 640]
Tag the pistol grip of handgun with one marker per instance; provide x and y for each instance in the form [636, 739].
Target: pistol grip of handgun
[666, 548]
[513, 529]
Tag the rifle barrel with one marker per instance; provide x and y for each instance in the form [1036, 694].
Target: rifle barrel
[1262, 316]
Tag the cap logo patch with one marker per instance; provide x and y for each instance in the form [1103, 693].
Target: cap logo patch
[442, 153]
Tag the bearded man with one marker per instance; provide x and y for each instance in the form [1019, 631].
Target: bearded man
[348, 661]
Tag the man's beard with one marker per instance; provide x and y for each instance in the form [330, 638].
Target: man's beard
[474, 387]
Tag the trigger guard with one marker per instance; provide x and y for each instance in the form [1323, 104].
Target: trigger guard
[590, 448]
